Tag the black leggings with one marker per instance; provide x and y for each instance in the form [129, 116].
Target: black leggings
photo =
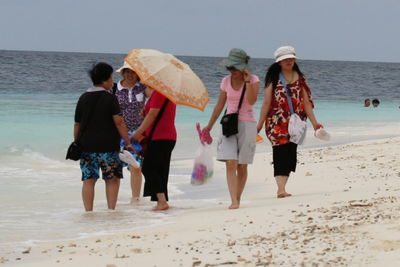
[156, 168]
[284, 158]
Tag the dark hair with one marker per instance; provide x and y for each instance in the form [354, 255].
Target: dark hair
[367, 99]
[273, 71]
[230, 68]
[100, 73]
[375, 101]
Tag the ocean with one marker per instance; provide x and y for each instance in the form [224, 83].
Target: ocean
[40, 191]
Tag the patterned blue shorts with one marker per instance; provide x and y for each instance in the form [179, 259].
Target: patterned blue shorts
[109, 162]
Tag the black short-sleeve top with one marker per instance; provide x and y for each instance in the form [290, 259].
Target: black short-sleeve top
[95, 111]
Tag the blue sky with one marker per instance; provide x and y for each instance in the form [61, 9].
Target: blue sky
[359, 30]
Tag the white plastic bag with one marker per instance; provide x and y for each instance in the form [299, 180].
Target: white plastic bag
[297, 129]
[203, 167]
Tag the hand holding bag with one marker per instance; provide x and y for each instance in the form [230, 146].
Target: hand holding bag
[74, 151]
[297, 127]
[144, 143]
[230, 121]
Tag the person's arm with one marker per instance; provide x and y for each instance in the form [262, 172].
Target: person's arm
[308, 108]
[119, 122]
[265, 107]
[148, 91]
[122, 130]
[148, 120]
[251, 89]
[77, 131]
[217, 110]
[77, 118]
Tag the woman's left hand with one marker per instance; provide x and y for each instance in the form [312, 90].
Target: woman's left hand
[317, 125]
[136, 136]
[246, 75]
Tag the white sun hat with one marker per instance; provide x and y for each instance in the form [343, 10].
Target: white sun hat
[284, 52]
[125, 66]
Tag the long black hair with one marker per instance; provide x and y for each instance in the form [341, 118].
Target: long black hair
[273, 71]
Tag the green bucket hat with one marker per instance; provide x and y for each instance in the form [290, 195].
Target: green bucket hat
[237, 58]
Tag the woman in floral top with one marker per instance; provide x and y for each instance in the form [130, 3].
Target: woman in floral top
[131, 97]
[275, 113]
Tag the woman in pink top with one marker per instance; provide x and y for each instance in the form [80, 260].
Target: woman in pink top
[158, 155]
[237, 150]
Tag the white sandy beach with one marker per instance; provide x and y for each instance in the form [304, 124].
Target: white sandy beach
[345, 211]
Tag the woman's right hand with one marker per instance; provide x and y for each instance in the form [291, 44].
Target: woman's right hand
[130, 148]
[207, 128]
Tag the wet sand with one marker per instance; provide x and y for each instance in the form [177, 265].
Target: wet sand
[345, 211]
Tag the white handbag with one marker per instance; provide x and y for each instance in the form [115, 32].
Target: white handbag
[297, 127]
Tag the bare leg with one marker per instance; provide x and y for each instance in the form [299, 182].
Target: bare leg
[112, 188]
[242, 178]
[281, 183]
[136, 183]
[162, 203]
[232, 179]
[88, 193]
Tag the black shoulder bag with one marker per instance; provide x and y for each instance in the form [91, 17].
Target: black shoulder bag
[74, 151]
[230, 121]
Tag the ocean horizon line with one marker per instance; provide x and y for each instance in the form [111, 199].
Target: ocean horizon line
[199, 56]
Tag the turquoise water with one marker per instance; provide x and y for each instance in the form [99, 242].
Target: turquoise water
[40, 190]
[44, 123]
[39, 91]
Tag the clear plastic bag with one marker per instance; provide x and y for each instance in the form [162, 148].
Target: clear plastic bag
[203, 167]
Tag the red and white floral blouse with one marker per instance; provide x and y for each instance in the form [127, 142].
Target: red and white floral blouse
[277, 120]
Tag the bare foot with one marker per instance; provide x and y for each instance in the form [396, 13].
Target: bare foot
[234, 206]
[134, 200]
[161, 206]
[283, 195]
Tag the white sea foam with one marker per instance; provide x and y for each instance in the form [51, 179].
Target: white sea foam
[41, 201]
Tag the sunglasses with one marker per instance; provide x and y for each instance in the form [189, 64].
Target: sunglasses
[230, 68]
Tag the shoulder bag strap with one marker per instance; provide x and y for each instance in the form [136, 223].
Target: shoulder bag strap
[241, 99]
[158, 118]
[242, 96]
[289, 98]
